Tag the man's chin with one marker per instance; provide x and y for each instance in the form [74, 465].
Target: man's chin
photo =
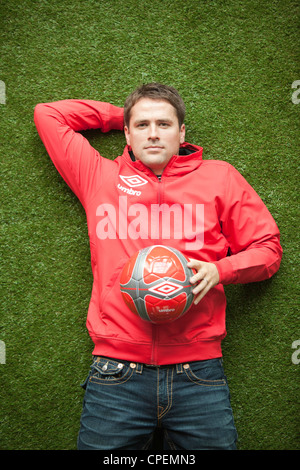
[156, 167]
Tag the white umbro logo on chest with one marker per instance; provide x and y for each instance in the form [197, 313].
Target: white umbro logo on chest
[133, 181]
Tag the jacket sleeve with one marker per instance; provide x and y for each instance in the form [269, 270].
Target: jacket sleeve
[59, 125]
[253, 237]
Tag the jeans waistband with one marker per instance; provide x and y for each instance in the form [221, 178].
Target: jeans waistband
[138, 366]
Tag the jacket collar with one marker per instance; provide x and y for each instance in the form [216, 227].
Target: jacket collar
[188, 160]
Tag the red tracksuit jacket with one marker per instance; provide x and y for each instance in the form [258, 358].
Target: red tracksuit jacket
[204, 208]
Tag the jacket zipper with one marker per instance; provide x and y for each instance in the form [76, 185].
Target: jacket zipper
[159, 186]
[154, 327]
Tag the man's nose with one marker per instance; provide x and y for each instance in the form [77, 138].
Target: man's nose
[153, 132]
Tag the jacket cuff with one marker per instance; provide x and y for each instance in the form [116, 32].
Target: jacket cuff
[226, 271]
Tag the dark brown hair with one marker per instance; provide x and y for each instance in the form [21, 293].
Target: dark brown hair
[155, 91]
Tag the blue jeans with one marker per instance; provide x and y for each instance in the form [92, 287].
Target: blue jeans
[125, 402]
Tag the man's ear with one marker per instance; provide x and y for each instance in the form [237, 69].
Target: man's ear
[182, 133]
[127, 134]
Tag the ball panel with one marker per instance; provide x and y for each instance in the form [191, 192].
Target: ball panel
[163, 261]
[129, 302]
[165, 311]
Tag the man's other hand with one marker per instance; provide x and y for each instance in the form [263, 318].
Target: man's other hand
[207, 276]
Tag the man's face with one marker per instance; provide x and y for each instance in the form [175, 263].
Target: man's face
[153, 133]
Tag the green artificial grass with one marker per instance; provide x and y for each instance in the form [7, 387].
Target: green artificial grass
[234, 63]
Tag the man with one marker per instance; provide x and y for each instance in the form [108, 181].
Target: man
[146, 375]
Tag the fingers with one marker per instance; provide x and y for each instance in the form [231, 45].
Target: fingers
[206, 277]
[201, 289]
[202, 275]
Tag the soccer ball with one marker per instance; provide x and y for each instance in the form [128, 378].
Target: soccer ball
[155, 284]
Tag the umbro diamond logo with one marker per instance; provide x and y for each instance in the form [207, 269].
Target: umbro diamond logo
[166, 288]
[133, 181]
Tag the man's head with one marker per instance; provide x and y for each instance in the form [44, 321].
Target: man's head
[153, 124]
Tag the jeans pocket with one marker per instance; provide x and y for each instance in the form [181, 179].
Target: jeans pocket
[108, 371]
[208, 373]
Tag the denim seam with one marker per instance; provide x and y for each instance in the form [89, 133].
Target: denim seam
[169, 388]
[205, 383]
[116, 381]
[169, 440]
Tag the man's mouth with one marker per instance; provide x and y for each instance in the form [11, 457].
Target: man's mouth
[153, 147]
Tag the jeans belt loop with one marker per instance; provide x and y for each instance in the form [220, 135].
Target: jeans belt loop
[179, 368]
